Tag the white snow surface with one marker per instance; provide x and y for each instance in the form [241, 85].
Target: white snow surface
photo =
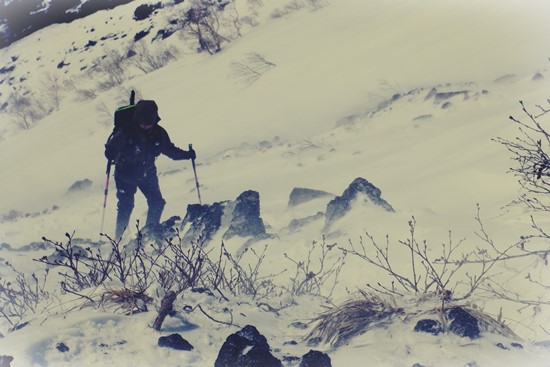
[345, 99]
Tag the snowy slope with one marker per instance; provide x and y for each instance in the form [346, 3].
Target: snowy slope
[349, 96]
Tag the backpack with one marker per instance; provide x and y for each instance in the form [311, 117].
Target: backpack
[124, 115]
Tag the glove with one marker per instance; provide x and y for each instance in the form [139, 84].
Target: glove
[192, 154]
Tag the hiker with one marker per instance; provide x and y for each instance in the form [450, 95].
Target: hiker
[133, 149]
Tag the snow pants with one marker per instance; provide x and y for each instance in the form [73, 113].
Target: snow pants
[126, 189]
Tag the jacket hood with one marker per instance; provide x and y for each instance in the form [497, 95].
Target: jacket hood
[146, 112]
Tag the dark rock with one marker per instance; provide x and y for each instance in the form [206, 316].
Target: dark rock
[446, 105]
[443, 96]
[428, 326]
[21, 326]
[300, 195]
[80, 185]
[422, 117]
[164, 34]
[501, 346]
[299, 325]
[463, 323]
[291, 360]
[36, 246]
[5, 246]
[292, 342]
[140, 35]
[205, 221]
[202, 290]
[517, 345]
[62, 347]
[431, 93]
[90, 44]
[313, 342]
[246, 219]
[340, 205]
[418, 365]
[174, 341]
[246, 348]
[62, 64]
[5, 361]
[6, 70]
[314, 358]
[144, 11]
[537, 76]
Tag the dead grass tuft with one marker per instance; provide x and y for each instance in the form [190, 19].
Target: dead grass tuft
[340, 324]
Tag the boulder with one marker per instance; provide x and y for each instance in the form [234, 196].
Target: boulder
[80, 186]
[205, 221]
[246, 348]
[314, 358]
[240, 217]
[301, 195]
[341, 205]
[463, 323]
[429, 326]
[245, 219]
[175, 341]
[5, 361]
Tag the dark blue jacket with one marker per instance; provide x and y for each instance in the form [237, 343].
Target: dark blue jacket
[134, 151]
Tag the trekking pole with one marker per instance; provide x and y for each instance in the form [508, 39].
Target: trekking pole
[106, 194]
[196, 179]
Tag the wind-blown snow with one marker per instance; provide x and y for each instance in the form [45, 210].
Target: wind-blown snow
[345, 99]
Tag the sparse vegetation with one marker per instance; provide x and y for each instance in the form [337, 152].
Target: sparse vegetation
[251, 68]
[148, 59]
[530, 151]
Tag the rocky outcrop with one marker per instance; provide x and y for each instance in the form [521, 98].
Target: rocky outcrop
[341, 205]
[79, 186]
[300, 195]
[205, 221]
[240, 217]
[245, 219]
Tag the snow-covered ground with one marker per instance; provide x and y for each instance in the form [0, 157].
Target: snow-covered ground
[350, 95]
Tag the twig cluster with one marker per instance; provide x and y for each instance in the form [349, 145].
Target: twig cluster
[21, 296]
[319, 278]
[452, 274]
[530, 150]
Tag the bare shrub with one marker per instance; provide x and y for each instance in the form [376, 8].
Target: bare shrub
[251, 68]
[148, 59]
[130, 301]
[319, 278]
[317, 4]
[531, 153]
[232, 19]
[22, 296]
[202, 21]
[231, 274]
[26, 109]
[50, 91]
[111, 64]
[292, 6]
[85, 94]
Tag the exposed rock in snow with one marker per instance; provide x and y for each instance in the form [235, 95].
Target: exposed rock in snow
[340, 205]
